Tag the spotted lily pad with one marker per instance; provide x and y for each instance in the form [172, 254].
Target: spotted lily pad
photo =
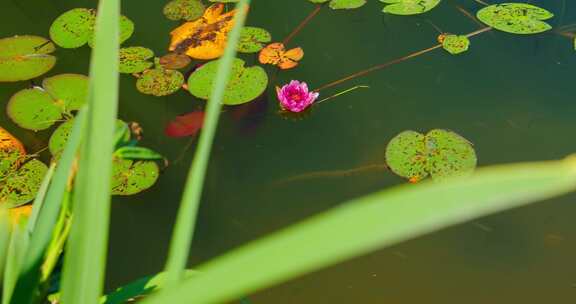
[60, 136]
[130, 176]
[516, 18]
[253, 39]
[245, 84]
[160, 82]
[25, 57]
[75, 28]
[12, 153]
[21, 186]
[440, 154]
[135, 59]
[409, 7]
[342, 4]
[184, 10]
[455, 44]
[39, 108]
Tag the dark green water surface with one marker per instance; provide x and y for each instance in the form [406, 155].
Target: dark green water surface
[513, 97]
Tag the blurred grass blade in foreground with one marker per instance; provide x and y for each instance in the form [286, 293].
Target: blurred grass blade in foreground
[368, 223]
[85, 260]
[186, 219]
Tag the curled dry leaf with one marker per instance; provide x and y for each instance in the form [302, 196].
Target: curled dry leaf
[276, 54]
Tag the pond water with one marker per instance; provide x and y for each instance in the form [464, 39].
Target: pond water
[512, 96]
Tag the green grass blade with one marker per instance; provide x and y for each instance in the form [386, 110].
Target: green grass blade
[85, 261]
[40, 198]
[45, 215]
[368, 223]
[15, 256]
[186, 219]
[4, 239]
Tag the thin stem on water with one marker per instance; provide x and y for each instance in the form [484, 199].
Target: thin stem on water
[393, 62]
[302, 24]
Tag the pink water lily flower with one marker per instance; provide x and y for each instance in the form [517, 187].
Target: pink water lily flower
[295, 97]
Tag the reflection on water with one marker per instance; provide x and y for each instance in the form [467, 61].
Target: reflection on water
[511, 96]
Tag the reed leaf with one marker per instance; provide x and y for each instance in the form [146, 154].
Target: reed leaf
[85, 261]
[186, 218]
[369, 223]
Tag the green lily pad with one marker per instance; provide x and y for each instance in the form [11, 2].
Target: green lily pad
[456, 44]
[253, 39]
[10, 158]
[25, 57]
[516, 18]
[126, 31]
[245, 85]
[130, 177]
[409, 7]
[21, 186]
[60, 136]
[160, 82]
[184, 10]
[342, 4]
[39, 108]
[440, 154]
[68, 90]
[75, 28]
[135, 59]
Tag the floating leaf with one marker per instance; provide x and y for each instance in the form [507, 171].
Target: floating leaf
[135, 59]
[12, 153]
[185, 125]
[342, 4]
[440, 154]
[160, 82]
[409, 7]
[245, 84]
[60, 136]
[184, 10]
[137, 153]
[516, 18]
[25, 57]
[75, 28]
[21, 186]
[253, 39]
[173, 61]
[455, 44]
[39, 108]
[276, 54]
[206, 37]
[130, 177]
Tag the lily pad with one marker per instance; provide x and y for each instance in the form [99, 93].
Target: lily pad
[135, 59]
[39, 108]
[440, 154]
[245, 84]
[160, 82]
[342, 4]
[456, 44]
[12, 153]
[516, 18]
[60, 136]
[184, 10]
[130, 177]
[253, 39]
[25, 57]
[75, 28]
[21, 186]
[409, 7]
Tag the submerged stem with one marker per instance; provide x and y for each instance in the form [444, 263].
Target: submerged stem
[302, 24]
[395, 61]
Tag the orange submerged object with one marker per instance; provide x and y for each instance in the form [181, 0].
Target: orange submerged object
[204, 38]
[276, 54]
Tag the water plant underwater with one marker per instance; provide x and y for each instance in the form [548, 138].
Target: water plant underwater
[70, 197]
